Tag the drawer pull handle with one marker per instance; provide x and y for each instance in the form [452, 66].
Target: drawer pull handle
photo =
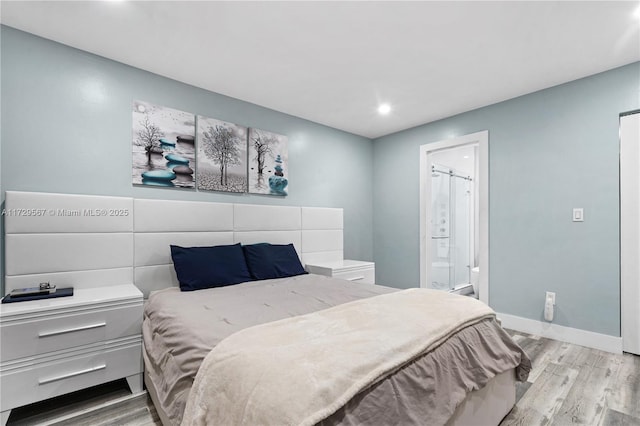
[66, 376]
[71, 330]
[355, 278]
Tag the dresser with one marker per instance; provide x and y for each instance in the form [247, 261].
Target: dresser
[54, 346]
[352, 270]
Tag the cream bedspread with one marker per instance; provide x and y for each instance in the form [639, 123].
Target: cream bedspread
[181, 327]
[300, 370]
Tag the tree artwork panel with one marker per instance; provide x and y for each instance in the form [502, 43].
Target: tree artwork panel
[163, 146]
[268, 163]
[222, 156]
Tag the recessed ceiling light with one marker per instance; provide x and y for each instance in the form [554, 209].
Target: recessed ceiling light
[636, 13]
[384, 109]
[466, 156]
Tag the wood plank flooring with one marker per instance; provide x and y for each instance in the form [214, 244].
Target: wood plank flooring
[571, 384]
[568, 385]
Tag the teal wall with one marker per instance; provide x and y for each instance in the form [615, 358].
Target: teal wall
[549, 151]
[66, 127]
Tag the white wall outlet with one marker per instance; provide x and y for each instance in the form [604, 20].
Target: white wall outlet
[550, 296]
[549, 303]
[578, 214]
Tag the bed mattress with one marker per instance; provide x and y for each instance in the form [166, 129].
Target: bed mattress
[180, 328]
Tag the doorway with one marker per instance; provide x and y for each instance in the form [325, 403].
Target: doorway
[452, 219]
[454, 237]
[630, 231]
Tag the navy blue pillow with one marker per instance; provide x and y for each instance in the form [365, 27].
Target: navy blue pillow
[206, 267]
[267, 261]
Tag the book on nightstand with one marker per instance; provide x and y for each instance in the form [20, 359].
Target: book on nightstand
[61, 292]
[43, 288]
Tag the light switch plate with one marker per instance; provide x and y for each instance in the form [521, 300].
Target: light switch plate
[578, 214]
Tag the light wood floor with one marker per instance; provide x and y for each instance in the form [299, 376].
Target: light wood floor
[568, 385]
[571, 384]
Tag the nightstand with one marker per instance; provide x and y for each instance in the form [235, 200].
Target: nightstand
[55, 346]
[352, 270]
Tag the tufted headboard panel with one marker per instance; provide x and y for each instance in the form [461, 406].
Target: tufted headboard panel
[66, 239]
[89, 241]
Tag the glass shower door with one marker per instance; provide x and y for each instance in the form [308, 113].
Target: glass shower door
[440, 223]
[450, 229]
[461, 247]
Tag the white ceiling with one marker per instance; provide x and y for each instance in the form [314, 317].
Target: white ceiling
[333, 62]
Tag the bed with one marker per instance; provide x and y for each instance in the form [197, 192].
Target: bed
[181, 328]
[138, 252]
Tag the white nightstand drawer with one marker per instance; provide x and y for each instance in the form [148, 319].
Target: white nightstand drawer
[24, 382]
[34, 335]
[367, 275]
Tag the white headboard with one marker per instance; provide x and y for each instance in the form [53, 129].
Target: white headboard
[88, 241]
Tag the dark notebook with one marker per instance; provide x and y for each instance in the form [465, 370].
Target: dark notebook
[61, 292]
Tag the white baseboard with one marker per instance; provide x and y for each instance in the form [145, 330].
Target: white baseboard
[603, 342]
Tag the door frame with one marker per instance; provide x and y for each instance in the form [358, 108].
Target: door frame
[482, 140]
[629, 233]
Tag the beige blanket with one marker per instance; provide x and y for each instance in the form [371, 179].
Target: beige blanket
[299, 370]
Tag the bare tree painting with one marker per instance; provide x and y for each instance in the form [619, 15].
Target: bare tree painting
[222, 156]
[163, 146]
[268, 163]
[262, 145]
[149, 137]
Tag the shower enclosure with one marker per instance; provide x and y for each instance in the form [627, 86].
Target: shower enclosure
[451, 236]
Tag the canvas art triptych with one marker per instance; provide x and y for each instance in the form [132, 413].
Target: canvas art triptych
[173, 148]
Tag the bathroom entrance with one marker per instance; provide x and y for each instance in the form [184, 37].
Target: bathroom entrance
[452, 220]
[454, 215]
